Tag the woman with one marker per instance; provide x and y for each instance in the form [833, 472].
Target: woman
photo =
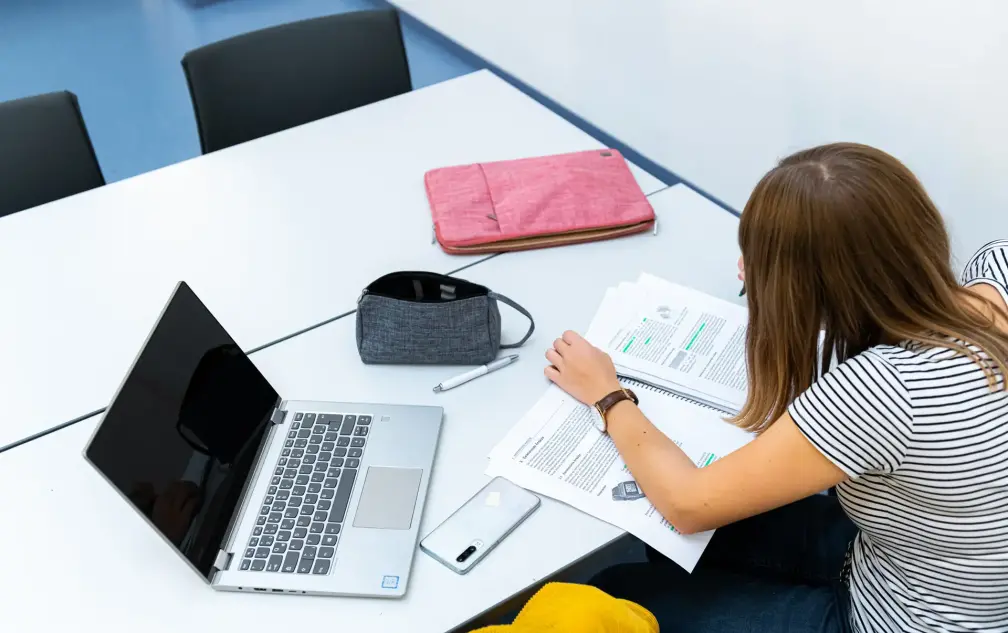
[910, 426]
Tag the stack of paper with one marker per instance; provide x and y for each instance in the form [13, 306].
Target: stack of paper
[684, 352]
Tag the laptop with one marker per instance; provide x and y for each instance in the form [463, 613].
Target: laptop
[255, 492]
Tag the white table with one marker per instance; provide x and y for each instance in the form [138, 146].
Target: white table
[101, 563]
[274, 235]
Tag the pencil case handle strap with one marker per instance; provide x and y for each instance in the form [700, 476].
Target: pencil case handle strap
[509, 302]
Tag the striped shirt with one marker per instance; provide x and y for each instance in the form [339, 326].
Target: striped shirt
[924, 443]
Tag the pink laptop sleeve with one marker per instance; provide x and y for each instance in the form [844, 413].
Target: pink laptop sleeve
[536, 202]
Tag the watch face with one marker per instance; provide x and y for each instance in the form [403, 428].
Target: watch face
[598, 420]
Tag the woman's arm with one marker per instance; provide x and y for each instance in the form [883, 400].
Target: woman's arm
[778, 467]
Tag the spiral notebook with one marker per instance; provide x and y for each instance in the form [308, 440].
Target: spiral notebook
[683, 353]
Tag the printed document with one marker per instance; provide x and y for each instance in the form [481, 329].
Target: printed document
[683, 352]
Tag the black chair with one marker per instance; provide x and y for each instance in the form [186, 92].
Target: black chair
[271, 80]
[45, 152]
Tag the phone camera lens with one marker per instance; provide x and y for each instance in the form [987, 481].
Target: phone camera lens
[466, 554]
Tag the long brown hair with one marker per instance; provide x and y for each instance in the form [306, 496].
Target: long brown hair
[843, 238]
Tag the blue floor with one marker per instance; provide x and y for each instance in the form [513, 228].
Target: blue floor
[121, 58]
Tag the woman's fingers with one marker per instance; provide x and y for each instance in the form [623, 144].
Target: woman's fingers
[554, 358]
[571, 337]
[561, 346]
[552, 373]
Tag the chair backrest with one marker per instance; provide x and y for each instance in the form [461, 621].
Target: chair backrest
[45, 152]
[267, 81]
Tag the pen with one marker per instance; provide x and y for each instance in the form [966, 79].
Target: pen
[462, 379]
[742, 292]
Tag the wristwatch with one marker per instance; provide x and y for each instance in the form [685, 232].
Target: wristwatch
[603, 406]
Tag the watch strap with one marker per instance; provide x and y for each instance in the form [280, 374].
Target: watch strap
[608, 402]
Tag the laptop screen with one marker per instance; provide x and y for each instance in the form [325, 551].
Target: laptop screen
[181, 436]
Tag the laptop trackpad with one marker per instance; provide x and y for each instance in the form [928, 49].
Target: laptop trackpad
[388, 498]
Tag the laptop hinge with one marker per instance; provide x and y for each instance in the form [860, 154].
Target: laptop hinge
[223, 560]
[278, 416]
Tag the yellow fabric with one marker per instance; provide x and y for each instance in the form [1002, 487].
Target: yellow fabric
[578, 609]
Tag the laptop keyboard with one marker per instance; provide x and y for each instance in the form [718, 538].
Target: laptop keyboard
[298, 526]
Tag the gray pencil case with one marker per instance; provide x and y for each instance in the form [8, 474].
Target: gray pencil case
[422, 318]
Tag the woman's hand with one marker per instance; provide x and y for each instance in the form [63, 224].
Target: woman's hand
[581, 369]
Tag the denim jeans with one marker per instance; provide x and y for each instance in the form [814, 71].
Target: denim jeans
[778, 571]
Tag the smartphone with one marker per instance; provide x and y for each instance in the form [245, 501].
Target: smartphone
[469, 534]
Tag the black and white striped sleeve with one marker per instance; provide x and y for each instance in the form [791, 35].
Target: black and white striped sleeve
[858, 415]
[989, 266]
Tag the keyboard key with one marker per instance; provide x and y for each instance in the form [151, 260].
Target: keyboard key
[282, 462]
[317, 478]
[286, 484]
[340, 452]
[326, 552]
[300, 443]
[305, 470]
[303, 522]
[298, 416]
[329, 445]
[309, 459]
[296, 545]
[279, 548]
[287, 524]
[342, 498]
[245, 564]
[304, 433]
[329, 539]
[253, 541]
[355, 452]
[284, 536]
[331, 436]
[343, 441]
[250, 552]
[264, 510]
[361, 431]
[332, 528]
[304, 567]
[309, 418]
[278, 470]
[258, 565]
[328, 493]
[272, 528]
[323, 505]
[321, 567]
[289, 443]
[294, 502]
[293, 463]
[311, 498]
[308, 508]
[314, 488]
[295, 424]
[257, 531]
[312, 449]
[286, 452]
[297, 453]
[261, 520]
[320, 429]
[291, 472]
[283, 495]
[290, 513]
[300, 532]
[357, 442]
[334, 421]
[262, 552]
[278, 506]
[290, 563]
[316, 439]
[275, 481]
[272, 490]
[316, 528]
[292, 433]
[324, 456]
[298, 491]
[302, 480]
[321, 467]
[352, 463]
[348, 424]
[334, 471]
[320, 515]
[275, 562]
[309, 550]
[329, 483]
[266, 541]
[364, 419]
[275, 517]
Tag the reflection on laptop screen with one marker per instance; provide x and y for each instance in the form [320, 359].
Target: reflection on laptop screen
[181, 436]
